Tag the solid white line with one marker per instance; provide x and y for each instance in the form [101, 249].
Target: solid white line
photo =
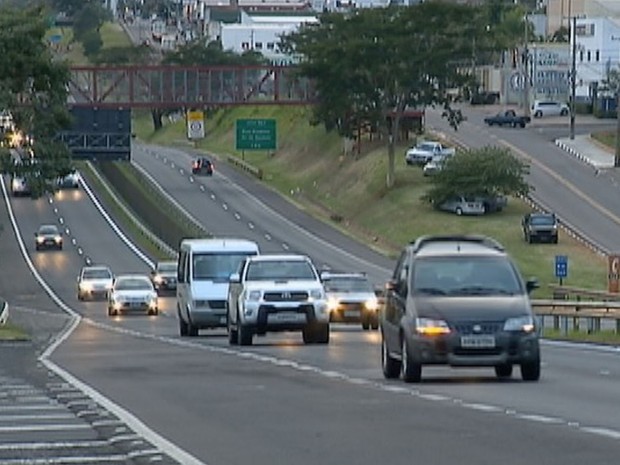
[52, 445]
[48, 406]
[53, 416]
[45, 427]
[610, 433]
[65, 460]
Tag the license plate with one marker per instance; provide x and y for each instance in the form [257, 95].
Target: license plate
[351, 313]
[477, 342]
[287, 317]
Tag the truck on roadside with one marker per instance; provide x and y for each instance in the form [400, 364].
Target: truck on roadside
[507, 118]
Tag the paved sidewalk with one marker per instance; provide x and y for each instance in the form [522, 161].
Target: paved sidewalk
[588, 150]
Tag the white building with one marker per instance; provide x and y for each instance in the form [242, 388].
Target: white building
[262, 34]
[597, 51]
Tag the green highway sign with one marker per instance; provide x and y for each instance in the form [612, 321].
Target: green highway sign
[255, 134]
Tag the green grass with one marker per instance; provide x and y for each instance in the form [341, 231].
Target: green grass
[113, 35]
[119, 215]
[10, 332]
[601, 337]
[607, 138]
[308, 168]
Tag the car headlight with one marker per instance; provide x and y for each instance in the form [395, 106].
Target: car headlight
[332, 304]
[316, 294]
[372, 305]
[522, 323]
[158, 278]
[86, 286]
[40, 239]
[253, 296]
[58, 239]
[430, 327]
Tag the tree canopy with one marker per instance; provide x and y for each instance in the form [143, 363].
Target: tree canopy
[376, 63]
[490, 171]
[33, 90]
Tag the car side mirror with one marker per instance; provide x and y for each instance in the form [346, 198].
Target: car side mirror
[391, 285]
[531, 285]
[234, 278]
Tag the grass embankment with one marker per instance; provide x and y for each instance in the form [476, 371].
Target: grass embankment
[607, 138]
[10, 332]
[309, 169]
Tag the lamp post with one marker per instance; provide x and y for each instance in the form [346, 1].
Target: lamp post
[526, 73]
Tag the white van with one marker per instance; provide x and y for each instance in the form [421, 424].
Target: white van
[203, 269]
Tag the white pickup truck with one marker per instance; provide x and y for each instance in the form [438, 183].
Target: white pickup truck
[273, 293]
[424, 151]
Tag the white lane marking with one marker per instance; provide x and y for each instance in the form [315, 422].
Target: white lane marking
[17, 446]
[480, 407]
[65, 460]
[212, 196]
[45, 427]
[251, 225]
[268, 237]
[24, 407]
[285, 246]
[541, 419]
[604, 372]
[237, 216]
[583, 347]
[202, 188]
[610, 433]
[52, 416]
[303, 231]
[127, 417]
[224, 206]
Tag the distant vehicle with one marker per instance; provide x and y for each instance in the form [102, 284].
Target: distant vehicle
[435, 165]
[507, 118]
[69, 181]
[424, 152]
[492, 204]
[132, 292]
[204, 269]
[540, 227]
[484, 98]
[202, 165]
[542, 108]
[94, 282]
[277, 293]
[462, 205]
[158, 29]
[48, 236]
[164, 276]
[19, 186]
[351, 299]
[458, 301]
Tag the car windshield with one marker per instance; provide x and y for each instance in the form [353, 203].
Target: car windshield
[426, 146]
[465, 275]
[167, 267]
[216, 266]
[48, 230]
[280, 270]
[347, 284]
[542, 220]
[133, 284]
[97, 273]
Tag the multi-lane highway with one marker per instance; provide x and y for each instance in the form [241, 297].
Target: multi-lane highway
[281, 401]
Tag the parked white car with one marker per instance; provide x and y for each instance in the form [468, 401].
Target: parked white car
[424, 152]
[464, 206]
[542, 108]
[435, 165]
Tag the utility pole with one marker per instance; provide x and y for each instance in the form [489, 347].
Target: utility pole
[573, 82]
[526, 71]
[617, 153]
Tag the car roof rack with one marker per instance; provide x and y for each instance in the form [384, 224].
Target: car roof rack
[420, 242]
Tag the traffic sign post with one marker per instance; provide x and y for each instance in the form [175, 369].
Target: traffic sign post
[195, 124]
[561, 267]
[613, 273]
[255, 134]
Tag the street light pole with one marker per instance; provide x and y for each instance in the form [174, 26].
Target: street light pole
[526, 73]
[617, 153]
[573, 77]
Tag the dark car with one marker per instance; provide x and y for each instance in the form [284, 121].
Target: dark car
[48, 237]
[202, 165]
[164, 276]
[507, 118]
[458, 301]
[540, 227]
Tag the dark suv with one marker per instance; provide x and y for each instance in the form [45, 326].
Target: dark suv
[540, 227]
[458, 301]
[202, 165]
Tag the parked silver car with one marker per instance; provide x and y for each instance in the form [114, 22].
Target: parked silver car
[463, 206]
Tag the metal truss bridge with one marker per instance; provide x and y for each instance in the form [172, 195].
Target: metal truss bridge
[160, 86]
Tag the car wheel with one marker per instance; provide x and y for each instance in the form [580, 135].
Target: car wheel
[530, 239]
[503, 371]
[321, 333]
[390, 366]
[192, 331]
[365, 322]
[37, 247]
[244, 334]
[564, 112]
[530, 371]
[111, 311]
[412, 372]
[374, 322]
[183, 329]
[555, 240]
[80, 296]
[152, 311]
[514, 125]
[538, 114]
[458, 211]
[522, 125]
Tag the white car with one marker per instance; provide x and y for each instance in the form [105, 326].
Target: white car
[542, 108]
[94, 281]
[132, 292]
[277, 293]
[71, 180]
[351, 299]
[424, 152]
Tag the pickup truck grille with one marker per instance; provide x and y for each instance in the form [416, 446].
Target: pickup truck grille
[285, 296]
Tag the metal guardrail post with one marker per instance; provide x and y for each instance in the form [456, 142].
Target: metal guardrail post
[565, 325]
[576, 320]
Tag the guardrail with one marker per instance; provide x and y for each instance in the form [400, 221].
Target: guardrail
[245, 166]
[579, 293]
[563, 311]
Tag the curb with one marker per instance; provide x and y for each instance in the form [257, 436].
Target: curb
[575, 153]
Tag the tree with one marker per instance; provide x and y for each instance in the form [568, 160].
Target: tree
[489, 172]
[612, 84]
[375, 64]
[33, 89]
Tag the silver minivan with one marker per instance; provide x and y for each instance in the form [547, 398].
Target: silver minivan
[204, 267]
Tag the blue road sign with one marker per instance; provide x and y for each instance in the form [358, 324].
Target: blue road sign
[561, 266]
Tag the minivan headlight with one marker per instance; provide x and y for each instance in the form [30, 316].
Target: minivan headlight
[430, 327]
[522, 323]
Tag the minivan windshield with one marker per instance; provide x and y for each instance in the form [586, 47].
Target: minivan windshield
[465, 276]
[217, 266]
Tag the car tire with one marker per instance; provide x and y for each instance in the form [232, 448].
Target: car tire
[530, 239]
[244, 335]
[530, 371]
[555, 240]
[233, 337]
[459, 211]
[411, 371]
[111, 311]
[60, 247]
[522, 125]
[374, 323]
[183, 328]
[80, 296]
[321, 333]
[365, 322]
[389, 365]
[538, 114]
[192, 330]
[564, 112]
[151, 312]
[503, 371]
